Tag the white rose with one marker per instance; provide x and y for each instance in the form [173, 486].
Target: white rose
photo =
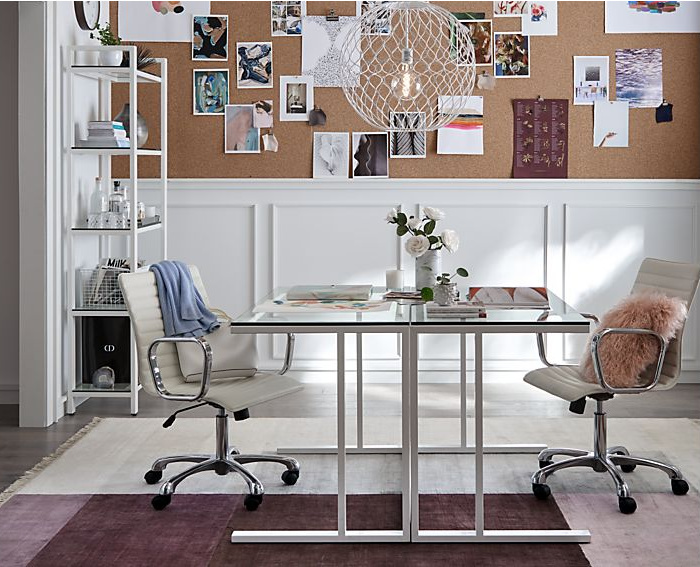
[417, 245]
[433, 213]
[450, 240]
[413, 223]
[391, 215]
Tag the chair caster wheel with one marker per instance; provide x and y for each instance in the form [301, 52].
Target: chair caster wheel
[546, 463]
[290, 477]
[627, 504]
[221, 469]
[679, 486]
[541, 491]
[627, 468]
[252, 501]
[153, 477]
[160, 501]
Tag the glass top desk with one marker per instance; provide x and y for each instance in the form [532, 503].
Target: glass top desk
[410, 321]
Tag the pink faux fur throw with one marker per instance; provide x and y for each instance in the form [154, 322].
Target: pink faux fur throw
[625, 357]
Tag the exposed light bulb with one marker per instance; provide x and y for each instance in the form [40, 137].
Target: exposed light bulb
[405, 84]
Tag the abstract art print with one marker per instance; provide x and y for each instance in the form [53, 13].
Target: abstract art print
[296, 98]
[511, 55]
[370, 154]
[611, 124]
[286, 17]
[639, 77]
[508, 9]
[652, 17]
[404, 144]
[331, 154]
[240, 136]
[542, 19]
[158, 21]
[254, 64]
[210, 38]
[481, 34]
[591, 79]
[262, 117]
[464, 135]
[320, 48]
[379, 25]
[210, 94]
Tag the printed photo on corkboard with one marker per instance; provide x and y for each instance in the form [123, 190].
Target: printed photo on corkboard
[210, 91]
[512, 55]
[210, 38]
[262, 118]
[240, 136]
[591, 79]
[508, 9]
[286, 17]
[481, 34]
[407, 144]
[639, 77]
[254, 63]
[380, 24]
[370, 154]
[331, 154]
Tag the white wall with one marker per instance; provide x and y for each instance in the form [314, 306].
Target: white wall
[9, 211]
[582, 239]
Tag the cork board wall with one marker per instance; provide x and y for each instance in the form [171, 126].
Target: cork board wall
[662, 151]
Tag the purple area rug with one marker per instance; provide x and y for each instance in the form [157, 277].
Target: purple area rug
[123, 529]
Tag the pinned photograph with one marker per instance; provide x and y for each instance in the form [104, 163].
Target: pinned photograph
[254, 63]
[481, 34]
[240, 136]
[296, 98]
[511, 55]
[591, 82]
[542, 19]
[210, 38]
[650, 17]
[331, 154]
[286, 17]
[407, 144]
[262, 118]
[380, 25]
[611, 124]
[639, 77]
[321, 45]
[464, 135]
[370, 154]
[210, 94]
[509, 9]
[158, 21]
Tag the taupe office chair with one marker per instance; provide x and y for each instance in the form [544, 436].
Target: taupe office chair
[160, 375]
[671, 278]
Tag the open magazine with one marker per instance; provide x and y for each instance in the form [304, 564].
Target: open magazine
[510, 297]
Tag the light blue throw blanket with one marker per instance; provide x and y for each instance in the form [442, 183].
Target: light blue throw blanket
[184, 312]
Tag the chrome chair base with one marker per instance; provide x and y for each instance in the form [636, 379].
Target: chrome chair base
[226, 460]
[603, 459]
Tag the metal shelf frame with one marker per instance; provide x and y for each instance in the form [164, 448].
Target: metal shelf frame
[104, 77]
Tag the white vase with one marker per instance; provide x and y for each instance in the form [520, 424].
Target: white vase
[428, 268]
[111, 58]
[445, 294]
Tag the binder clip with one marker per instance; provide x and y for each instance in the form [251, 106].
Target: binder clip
[331, 16]
[664, 112]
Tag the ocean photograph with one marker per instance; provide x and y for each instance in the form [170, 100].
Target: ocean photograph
[638, 77]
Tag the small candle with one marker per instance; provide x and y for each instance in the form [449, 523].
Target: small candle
[394, 279]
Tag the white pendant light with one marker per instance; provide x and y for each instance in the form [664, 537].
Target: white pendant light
[404, 58]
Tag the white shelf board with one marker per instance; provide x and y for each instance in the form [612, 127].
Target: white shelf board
[116, 232]
[113, 74]
[114, 151]
[95, 393]
[99, 313]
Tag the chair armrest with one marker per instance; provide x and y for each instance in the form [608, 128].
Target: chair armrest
[596, 341]
[155, 371]
[541, 350]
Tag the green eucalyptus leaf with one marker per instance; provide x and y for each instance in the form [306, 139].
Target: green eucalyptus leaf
[401, 229]
[426, 294]
[433, 239]
[462, 272]
[401, 218]
[429, 227]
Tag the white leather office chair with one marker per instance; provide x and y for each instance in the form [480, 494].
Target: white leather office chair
[671, 278]
[160, 375]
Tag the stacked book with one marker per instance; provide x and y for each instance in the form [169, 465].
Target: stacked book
[106, 134]
[459, 309]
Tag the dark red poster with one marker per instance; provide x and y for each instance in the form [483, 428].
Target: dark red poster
[541, 138]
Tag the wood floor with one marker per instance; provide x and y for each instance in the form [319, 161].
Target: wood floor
[22, 448]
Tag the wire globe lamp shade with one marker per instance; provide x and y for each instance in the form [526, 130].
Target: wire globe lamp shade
[407, 66]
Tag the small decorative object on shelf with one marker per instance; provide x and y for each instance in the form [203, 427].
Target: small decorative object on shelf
[108, 58]
[423, 244]
[445, 291]
[144, 57]
[141, 127]
[103, 378]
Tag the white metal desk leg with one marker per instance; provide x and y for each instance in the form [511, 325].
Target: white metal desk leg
[407, 479]
[360, 397]
[342, 519]
[413, 413]
[463, 390]
[478, 434]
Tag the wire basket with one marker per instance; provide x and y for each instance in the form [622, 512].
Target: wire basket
[99, 289]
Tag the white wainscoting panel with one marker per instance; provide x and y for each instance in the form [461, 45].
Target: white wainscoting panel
[584, 239]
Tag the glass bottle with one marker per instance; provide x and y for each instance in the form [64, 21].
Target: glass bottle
[98, 206]
[116, 207]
